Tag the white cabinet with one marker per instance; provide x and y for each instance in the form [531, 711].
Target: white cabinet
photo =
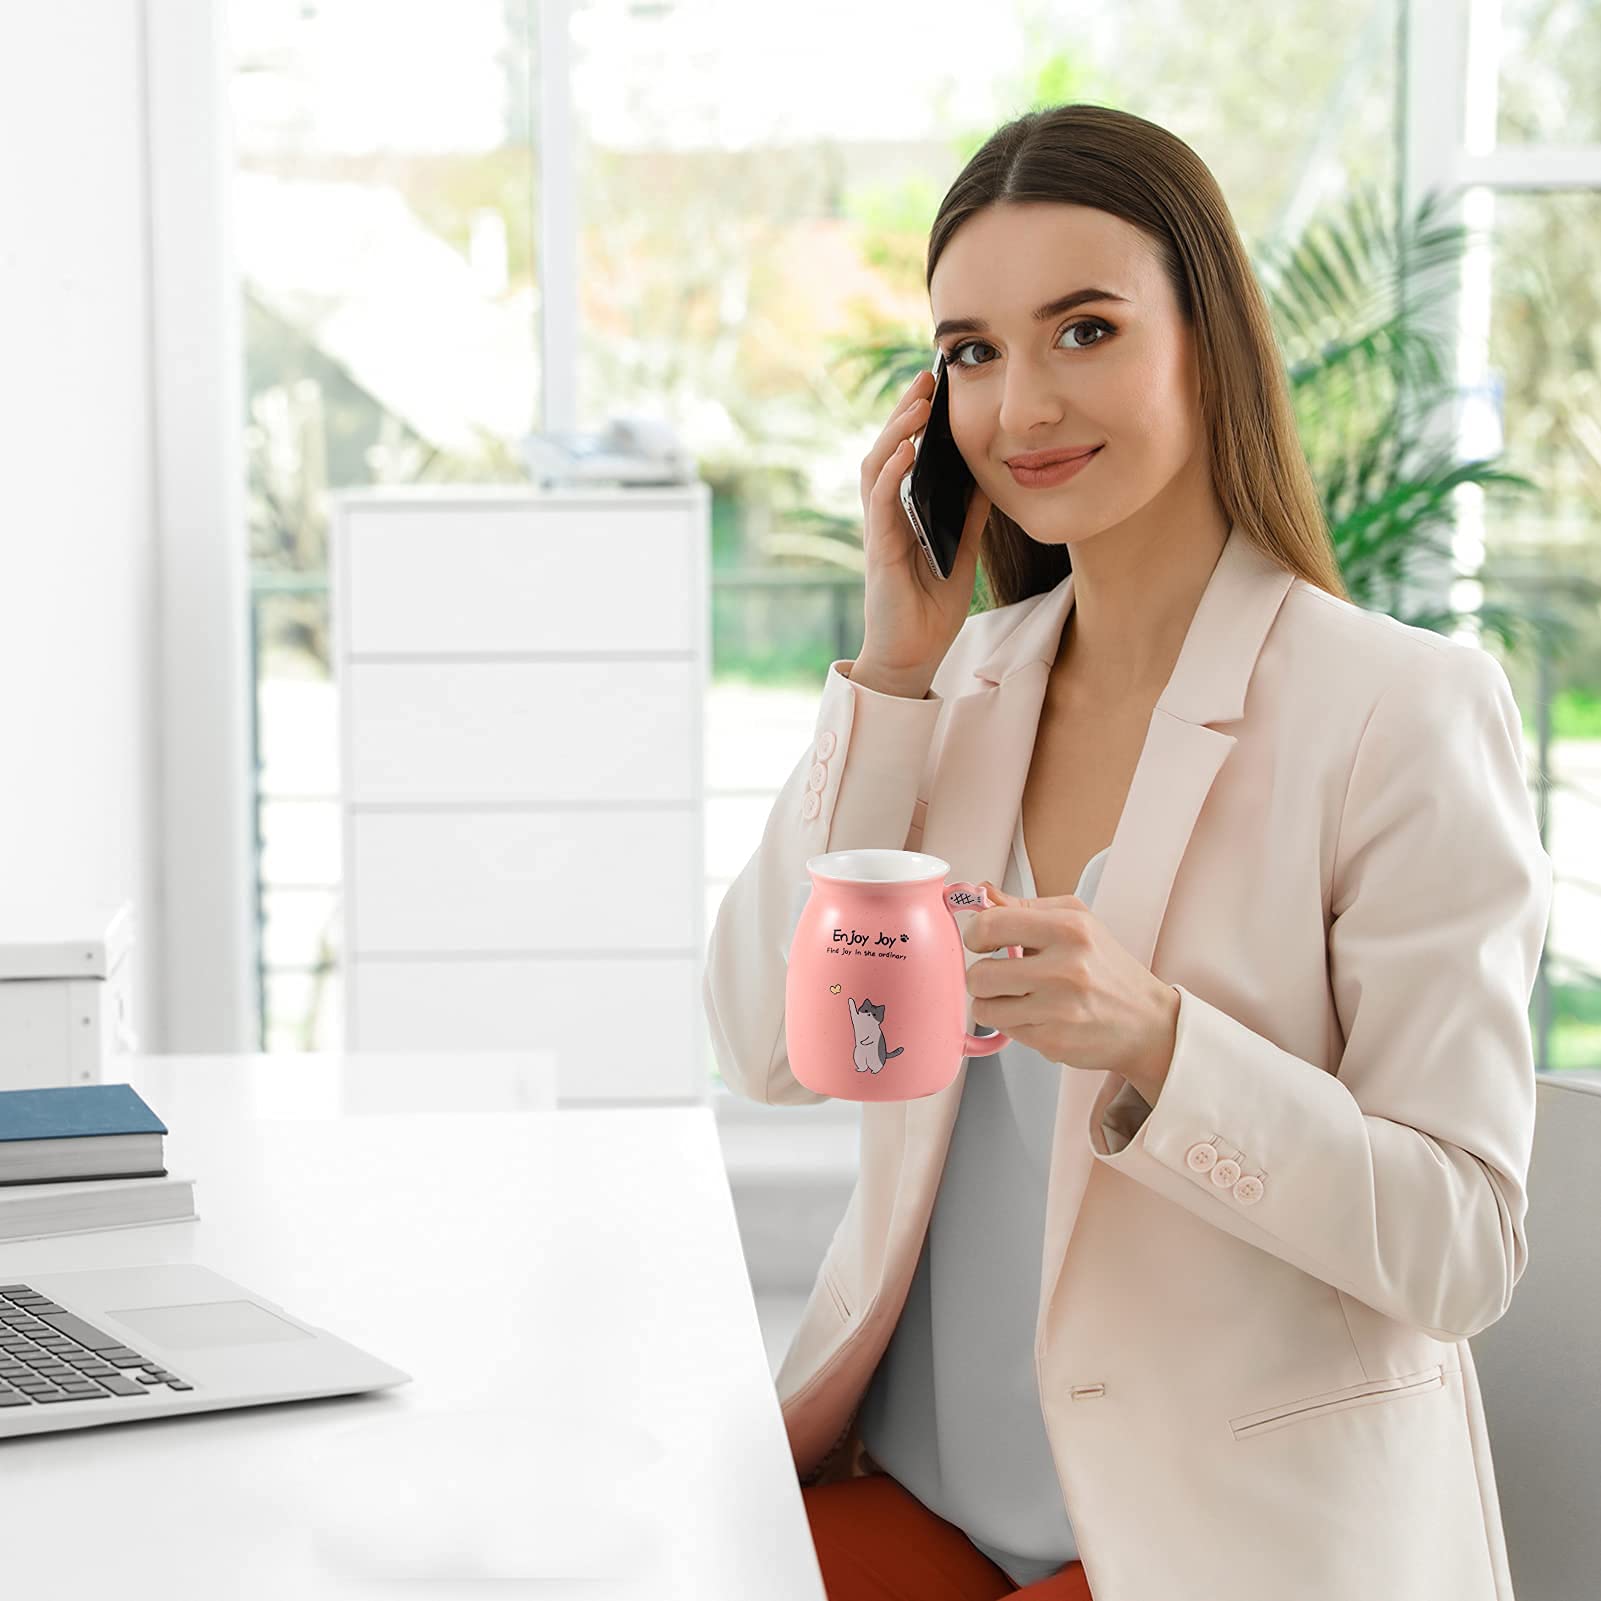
[66, 992]
[521, 676]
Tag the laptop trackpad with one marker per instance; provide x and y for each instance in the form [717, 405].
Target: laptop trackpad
[209, 1323]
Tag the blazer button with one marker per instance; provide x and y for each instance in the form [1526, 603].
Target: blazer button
[1226, 1174]
[1201, 1156]
[818, 776]
[1249, 1190]
[825, 745]
[811, 806]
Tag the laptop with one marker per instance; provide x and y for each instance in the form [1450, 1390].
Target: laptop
[111, 1345]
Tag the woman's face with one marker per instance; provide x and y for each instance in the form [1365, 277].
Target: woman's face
[1116, 373]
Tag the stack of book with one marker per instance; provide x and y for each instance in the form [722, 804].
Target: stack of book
[83, 1157]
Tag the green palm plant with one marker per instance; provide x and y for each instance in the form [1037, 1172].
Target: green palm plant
[1366, 374]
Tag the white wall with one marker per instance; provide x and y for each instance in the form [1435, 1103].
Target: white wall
[78, 723]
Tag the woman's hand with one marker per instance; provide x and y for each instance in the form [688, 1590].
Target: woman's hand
[910, 618]
[1074, 995]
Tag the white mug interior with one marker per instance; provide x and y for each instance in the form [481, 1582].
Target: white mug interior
[878, 866]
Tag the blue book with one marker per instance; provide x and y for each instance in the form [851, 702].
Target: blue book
[78, 1132]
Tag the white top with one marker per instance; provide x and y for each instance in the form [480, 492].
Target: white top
[953, 1409]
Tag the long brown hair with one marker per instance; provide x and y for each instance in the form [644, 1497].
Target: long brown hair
[1119, 163]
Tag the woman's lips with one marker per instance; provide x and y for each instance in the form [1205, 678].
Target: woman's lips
[1057, 473]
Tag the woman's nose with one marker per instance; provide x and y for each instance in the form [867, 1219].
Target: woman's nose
[1028, 401]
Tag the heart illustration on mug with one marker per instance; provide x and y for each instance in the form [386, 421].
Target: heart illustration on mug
[833, 989]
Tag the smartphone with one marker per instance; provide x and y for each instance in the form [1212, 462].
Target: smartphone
[937, 488]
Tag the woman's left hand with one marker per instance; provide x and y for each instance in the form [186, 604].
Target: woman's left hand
[1074, 995]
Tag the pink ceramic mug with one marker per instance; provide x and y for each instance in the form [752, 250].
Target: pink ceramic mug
[875, 998]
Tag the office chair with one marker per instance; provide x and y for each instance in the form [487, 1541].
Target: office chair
[1538, 1364]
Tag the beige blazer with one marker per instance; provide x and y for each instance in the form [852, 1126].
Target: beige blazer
[1255, 1299]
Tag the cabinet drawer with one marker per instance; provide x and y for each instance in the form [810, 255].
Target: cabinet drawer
[619, 1028]
[561, 881]
[509, 731]
[428, 580]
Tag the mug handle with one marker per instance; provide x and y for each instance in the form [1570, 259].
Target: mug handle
[964, 897]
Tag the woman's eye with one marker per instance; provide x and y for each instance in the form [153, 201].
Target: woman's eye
[953, 359]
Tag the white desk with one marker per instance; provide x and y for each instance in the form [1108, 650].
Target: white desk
[591, 1410]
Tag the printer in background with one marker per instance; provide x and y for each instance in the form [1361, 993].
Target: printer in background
[635, 450]
[66, 998]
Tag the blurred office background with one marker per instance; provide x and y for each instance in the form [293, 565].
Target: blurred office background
[258, 253]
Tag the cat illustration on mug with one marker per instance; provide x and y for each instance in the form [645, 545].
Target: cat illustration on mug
[867, 1022]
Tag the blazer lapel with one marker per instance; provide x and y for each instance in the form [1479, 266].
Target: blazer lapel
[976, 795]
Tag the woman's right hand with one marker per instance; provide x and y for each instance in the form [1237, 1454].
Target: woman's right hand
[910, 617]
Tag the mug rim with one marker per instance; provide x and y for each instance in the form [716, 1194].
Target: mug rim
[825, 868]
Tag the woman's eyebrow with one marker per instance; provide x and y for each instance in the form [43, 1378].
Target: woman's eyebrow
[1051, 308]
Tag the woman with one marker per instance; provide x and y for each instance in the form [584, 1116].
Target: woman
[1174, 1292]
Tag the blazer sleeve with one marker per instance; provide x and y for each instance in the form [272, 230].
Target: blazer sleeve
[1399, 1177]
[854, 788]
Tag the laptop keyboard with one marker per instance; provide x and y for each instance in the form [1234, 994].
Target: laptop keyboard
[49, 1354]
